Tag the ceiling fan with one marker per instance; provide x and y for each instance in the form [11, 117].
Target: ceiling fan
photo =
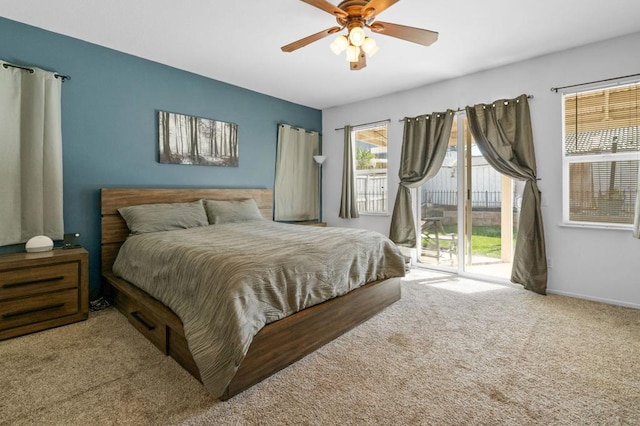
[355, 15]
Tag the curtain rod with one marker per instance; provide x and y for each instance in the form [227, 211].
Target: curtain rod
[555, 89]
[31, 71]
[461, 109]
[386, 120]
[297, 128]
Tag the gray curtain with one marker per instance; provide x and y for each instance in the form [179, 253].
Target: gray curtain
[296, 185]
[424, 146]
[348, 202]
[502, 131]
[636, 218]
[30, 155]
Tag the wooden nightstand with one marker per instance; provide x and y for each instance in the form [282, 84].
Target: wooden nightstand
[42, 290]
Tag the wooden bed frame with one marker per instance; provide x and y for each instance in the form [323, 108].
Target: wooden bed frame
[278, 344]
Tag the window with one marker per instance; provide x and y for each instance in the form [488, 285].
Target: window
[601, 155]
[371, 169]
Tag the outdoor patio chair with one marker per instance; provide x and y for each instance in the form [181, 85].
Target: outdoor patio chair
[433, 230]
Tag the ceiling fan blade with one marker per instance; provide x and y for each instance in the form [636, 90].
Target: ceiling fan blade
[374, 7]
[362, 62]
[416, 35]
[327, 7]
[309, 39]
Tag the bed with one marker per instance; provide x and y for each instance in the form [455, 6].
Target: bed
[275, 345]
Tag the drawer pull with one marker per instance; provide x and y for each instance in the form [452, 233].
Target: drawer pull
[31, 311]
[26, 283]
[145, 324]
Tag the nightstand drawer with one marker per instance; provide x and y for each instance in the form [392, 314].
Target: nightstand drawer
[29, 310]
[38, 279]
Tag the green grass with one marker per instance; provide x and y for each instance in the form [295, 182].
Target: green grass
[485, 240]
[486, 231]
[485, 246]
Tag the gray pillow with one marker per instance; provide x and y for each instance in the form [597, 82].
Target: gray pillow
[164, 217]
[220, 211]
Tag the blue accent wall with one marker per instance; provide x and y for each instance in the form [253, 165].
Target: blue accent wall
[109, 124]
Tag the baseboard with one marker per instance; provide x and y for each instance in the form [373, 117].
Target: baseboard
[595, 299]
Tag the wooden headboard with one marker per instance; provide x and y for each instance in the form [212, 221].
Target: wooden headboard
[114, 228]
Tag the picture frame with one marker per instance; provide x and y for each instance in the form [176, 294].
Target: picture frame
[187, 139]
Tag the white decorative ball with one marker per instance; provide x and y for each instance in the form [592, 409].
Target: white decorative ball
[39, 243]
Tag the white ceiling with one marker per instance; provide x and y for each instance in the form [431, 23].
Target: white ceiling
[239, 42]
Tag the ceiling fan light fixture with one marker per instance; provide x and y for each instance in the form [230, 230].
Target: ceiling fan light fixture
[353, 52]
[370, 47]
[355, 16]
[357, 36]
[339, 44]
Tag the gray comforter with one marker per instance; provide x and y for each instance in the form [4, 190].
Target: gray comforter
[227, 281]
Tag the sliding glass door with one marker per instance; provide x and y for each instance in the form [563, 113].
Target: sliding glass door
[468, 212]
[438, 212]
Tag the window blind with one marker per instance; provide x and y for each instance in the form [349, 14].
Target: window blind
[601, 153]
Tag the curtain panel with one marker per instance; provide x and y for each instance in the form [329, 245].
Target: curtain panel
[424, 145]
[348, 201]
[503, 133]
[296, 184]
[636, 218]
[31, 155]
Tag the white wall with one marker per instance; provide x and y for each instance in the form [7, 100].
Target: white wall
[589, 263]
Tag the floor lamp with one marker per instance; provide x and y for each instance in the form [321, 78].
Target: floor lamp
[319, 159]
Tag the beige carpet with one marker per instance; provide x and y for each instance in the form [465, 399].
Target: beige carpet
[451, 352]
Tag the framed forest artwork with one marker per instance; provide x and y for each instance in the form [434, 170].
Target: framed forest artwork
[186, 139]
